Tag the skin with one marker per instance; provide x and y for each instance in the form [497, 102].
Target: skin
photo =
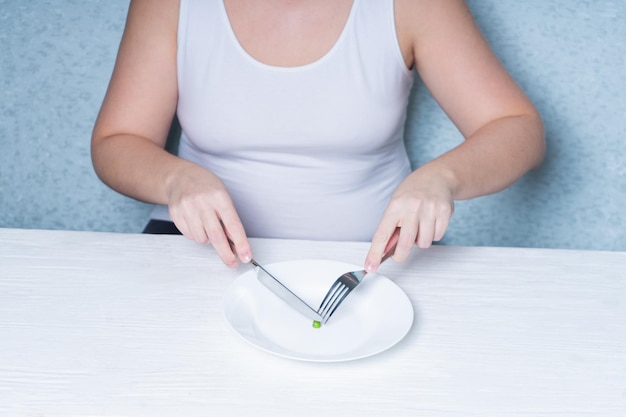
[503, 131]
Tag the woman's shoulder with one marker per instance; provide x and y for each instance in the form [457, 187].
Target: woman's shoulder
[150, 13]
[419, 16]
[424, 21]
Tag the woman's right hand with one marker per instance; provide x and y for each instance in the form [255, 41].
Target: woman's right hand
[201, 207]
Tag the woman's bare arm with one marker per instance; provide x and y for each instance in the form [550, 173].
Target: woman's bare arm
[130, 133]
[131, 129]
[503, 130]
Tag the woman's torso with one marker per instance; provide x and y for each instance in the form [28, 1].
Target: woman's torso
[308, 144]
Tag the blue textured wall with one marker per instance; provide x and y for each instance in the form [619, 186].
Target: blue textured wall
[569, 55]
[56, 60]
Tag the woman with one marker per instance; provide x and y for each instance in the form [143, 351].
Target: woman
[292, 114]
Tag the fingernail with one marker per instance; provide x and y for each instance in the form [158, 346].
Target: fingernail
[369, 266]
[246, 257]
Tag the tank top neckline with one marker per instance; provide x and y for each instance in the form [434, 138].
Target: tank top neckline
[327, 55]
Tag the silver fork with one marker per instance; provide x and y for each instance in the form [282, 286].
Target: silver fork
[347, 282]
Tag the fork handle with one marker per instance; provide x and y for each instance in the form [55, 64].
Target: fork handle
[390, 249]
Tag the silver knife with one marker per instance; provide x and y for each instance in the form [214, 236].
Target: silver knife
[281, 291]
[284, 293]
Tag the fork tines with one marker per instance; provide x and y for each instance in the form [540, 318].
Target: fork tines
[336, 294]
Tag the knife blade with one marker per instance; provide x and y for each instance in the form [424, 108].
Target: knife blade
[280, 290]
[284, 293]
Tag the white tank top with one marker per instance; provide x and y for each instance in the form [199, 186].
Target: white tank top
[309, 152]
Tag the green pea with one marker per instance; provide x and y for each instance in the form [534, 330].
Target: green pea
[316, 324]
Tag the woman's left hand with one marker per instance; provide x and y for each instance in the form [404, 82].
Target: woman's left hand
[421, 207]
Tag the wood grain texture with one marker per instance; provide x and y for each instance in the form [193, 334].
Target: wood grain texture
[106, 324]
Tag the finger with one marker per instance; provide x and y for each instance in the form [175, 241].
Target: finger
[392, 244]
[406, 239]
[426, 234]
[379, 243]
[189, 231]
[441, 225]
[191, 224]
[196, 226]
[232, 227]
[426, 228]
[236, 233]
[219, 241]
[191, 221]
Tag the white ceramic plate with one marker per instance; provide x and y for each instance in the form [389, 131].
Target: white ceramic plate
[376, 315]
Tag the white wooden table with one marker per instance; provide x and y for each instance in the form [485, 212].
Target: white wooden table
[97, 324]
